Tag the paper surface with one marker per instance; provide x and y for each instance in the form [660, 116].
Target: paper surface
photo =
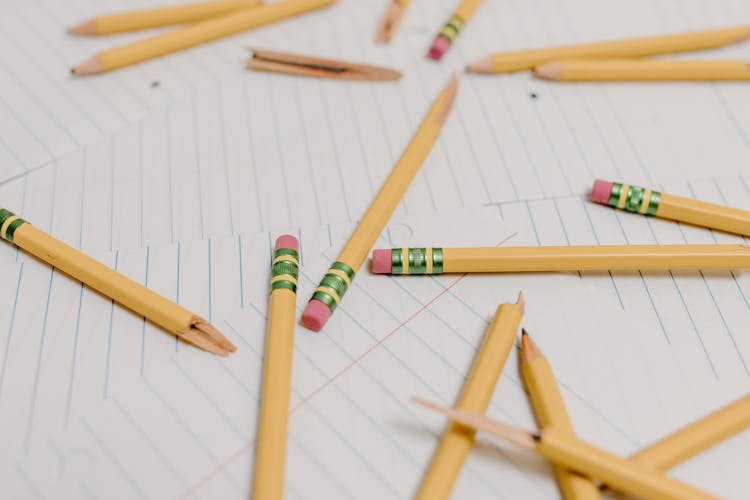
[180, 172]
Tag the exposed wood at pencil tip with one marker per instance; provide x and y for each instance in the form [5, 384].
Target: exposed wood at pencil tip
[204, 335]
[449, 97]
[86, 28]
[529, 350]
[521, 303]
[481, 66]
[296, 64]
[482, 422]
[390, 21]
[551, 71]
[89, 67]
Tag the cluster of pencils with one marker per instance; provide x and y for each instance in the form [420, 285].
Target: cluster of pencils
[580, 467]
[581, 470]
[623, 60]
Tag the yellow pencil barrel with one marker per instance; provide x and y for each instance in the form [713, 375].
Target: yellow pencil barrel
[666, 206]
[597, 70]
[205, 31]
[165, 16]
[697, 437]
[559, 258]
[457, 440]
[619, 473]
[337, 280]
[633, 47]
[466, 8]
[550, 411]
[159, 310]
[270, 458]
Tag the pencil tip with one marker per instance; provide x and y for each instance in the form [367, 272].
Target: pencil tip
[480, 66]
[87, 28]
[449, 97]
[529, 350]
[89, 67]
[520, 302]
[551, 71]
[524, 333]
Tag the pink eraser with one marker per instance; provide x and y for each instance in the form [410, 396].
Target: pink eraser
[381, 261]
[286, 241]
[316, 315]
[439, 46]
[601, 191]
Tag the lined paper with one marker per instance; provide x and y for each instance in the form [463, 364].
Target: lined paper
[179, 172]
[159, 419]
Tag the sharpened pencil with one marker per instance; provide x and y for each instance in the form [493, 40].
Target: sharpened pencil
[550, 411]
[164, 313]
[621, 474]
[160, 16]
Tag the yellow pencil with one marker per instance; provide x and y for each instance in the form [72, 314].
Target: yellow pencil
[160, 16]
[162, 312]
[338, 278]
[644, 70]
[619, 473]
[562, 258]
[390, 21]
[696, 437]
[632, 47]
[450, 31]
[195, 34]
[457, 440]
[268, 480]
[549, 409]
[666, 206]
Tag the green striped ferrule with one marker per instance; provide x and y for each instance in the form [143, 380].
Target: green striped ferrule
[416, 261]
[334, 284]
[452, 27]
[285, 270]
[9, 222]
[634, 199]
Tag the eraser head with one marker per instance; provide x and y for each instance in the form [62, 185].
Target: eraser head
[381, 261]
[286, 241]
[601, 191]
[439, 47]
[316, 315]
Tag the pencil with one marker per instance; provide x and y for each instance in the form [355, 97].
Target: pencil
[558, 258]
[195, 34]
[549, 409]
[621, 474]
[390, 21]
[666, 206]
[450, 31]
[162, 312]
[631, 47]
[696, 437]
[457, 440]
[296, 64]
[161, 16]
[644, 70]
[338, 278]
[268, 480]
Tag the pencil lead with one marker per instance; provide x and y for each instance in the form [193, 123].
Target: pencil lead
[524, 333]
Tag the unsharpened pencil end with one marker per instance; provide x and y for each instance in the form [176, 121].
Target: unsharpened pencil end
[601, 191]
[381, 261]
[87, 28]
[439, 47]
[286, 241]
[551, 71]
[316, 315]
